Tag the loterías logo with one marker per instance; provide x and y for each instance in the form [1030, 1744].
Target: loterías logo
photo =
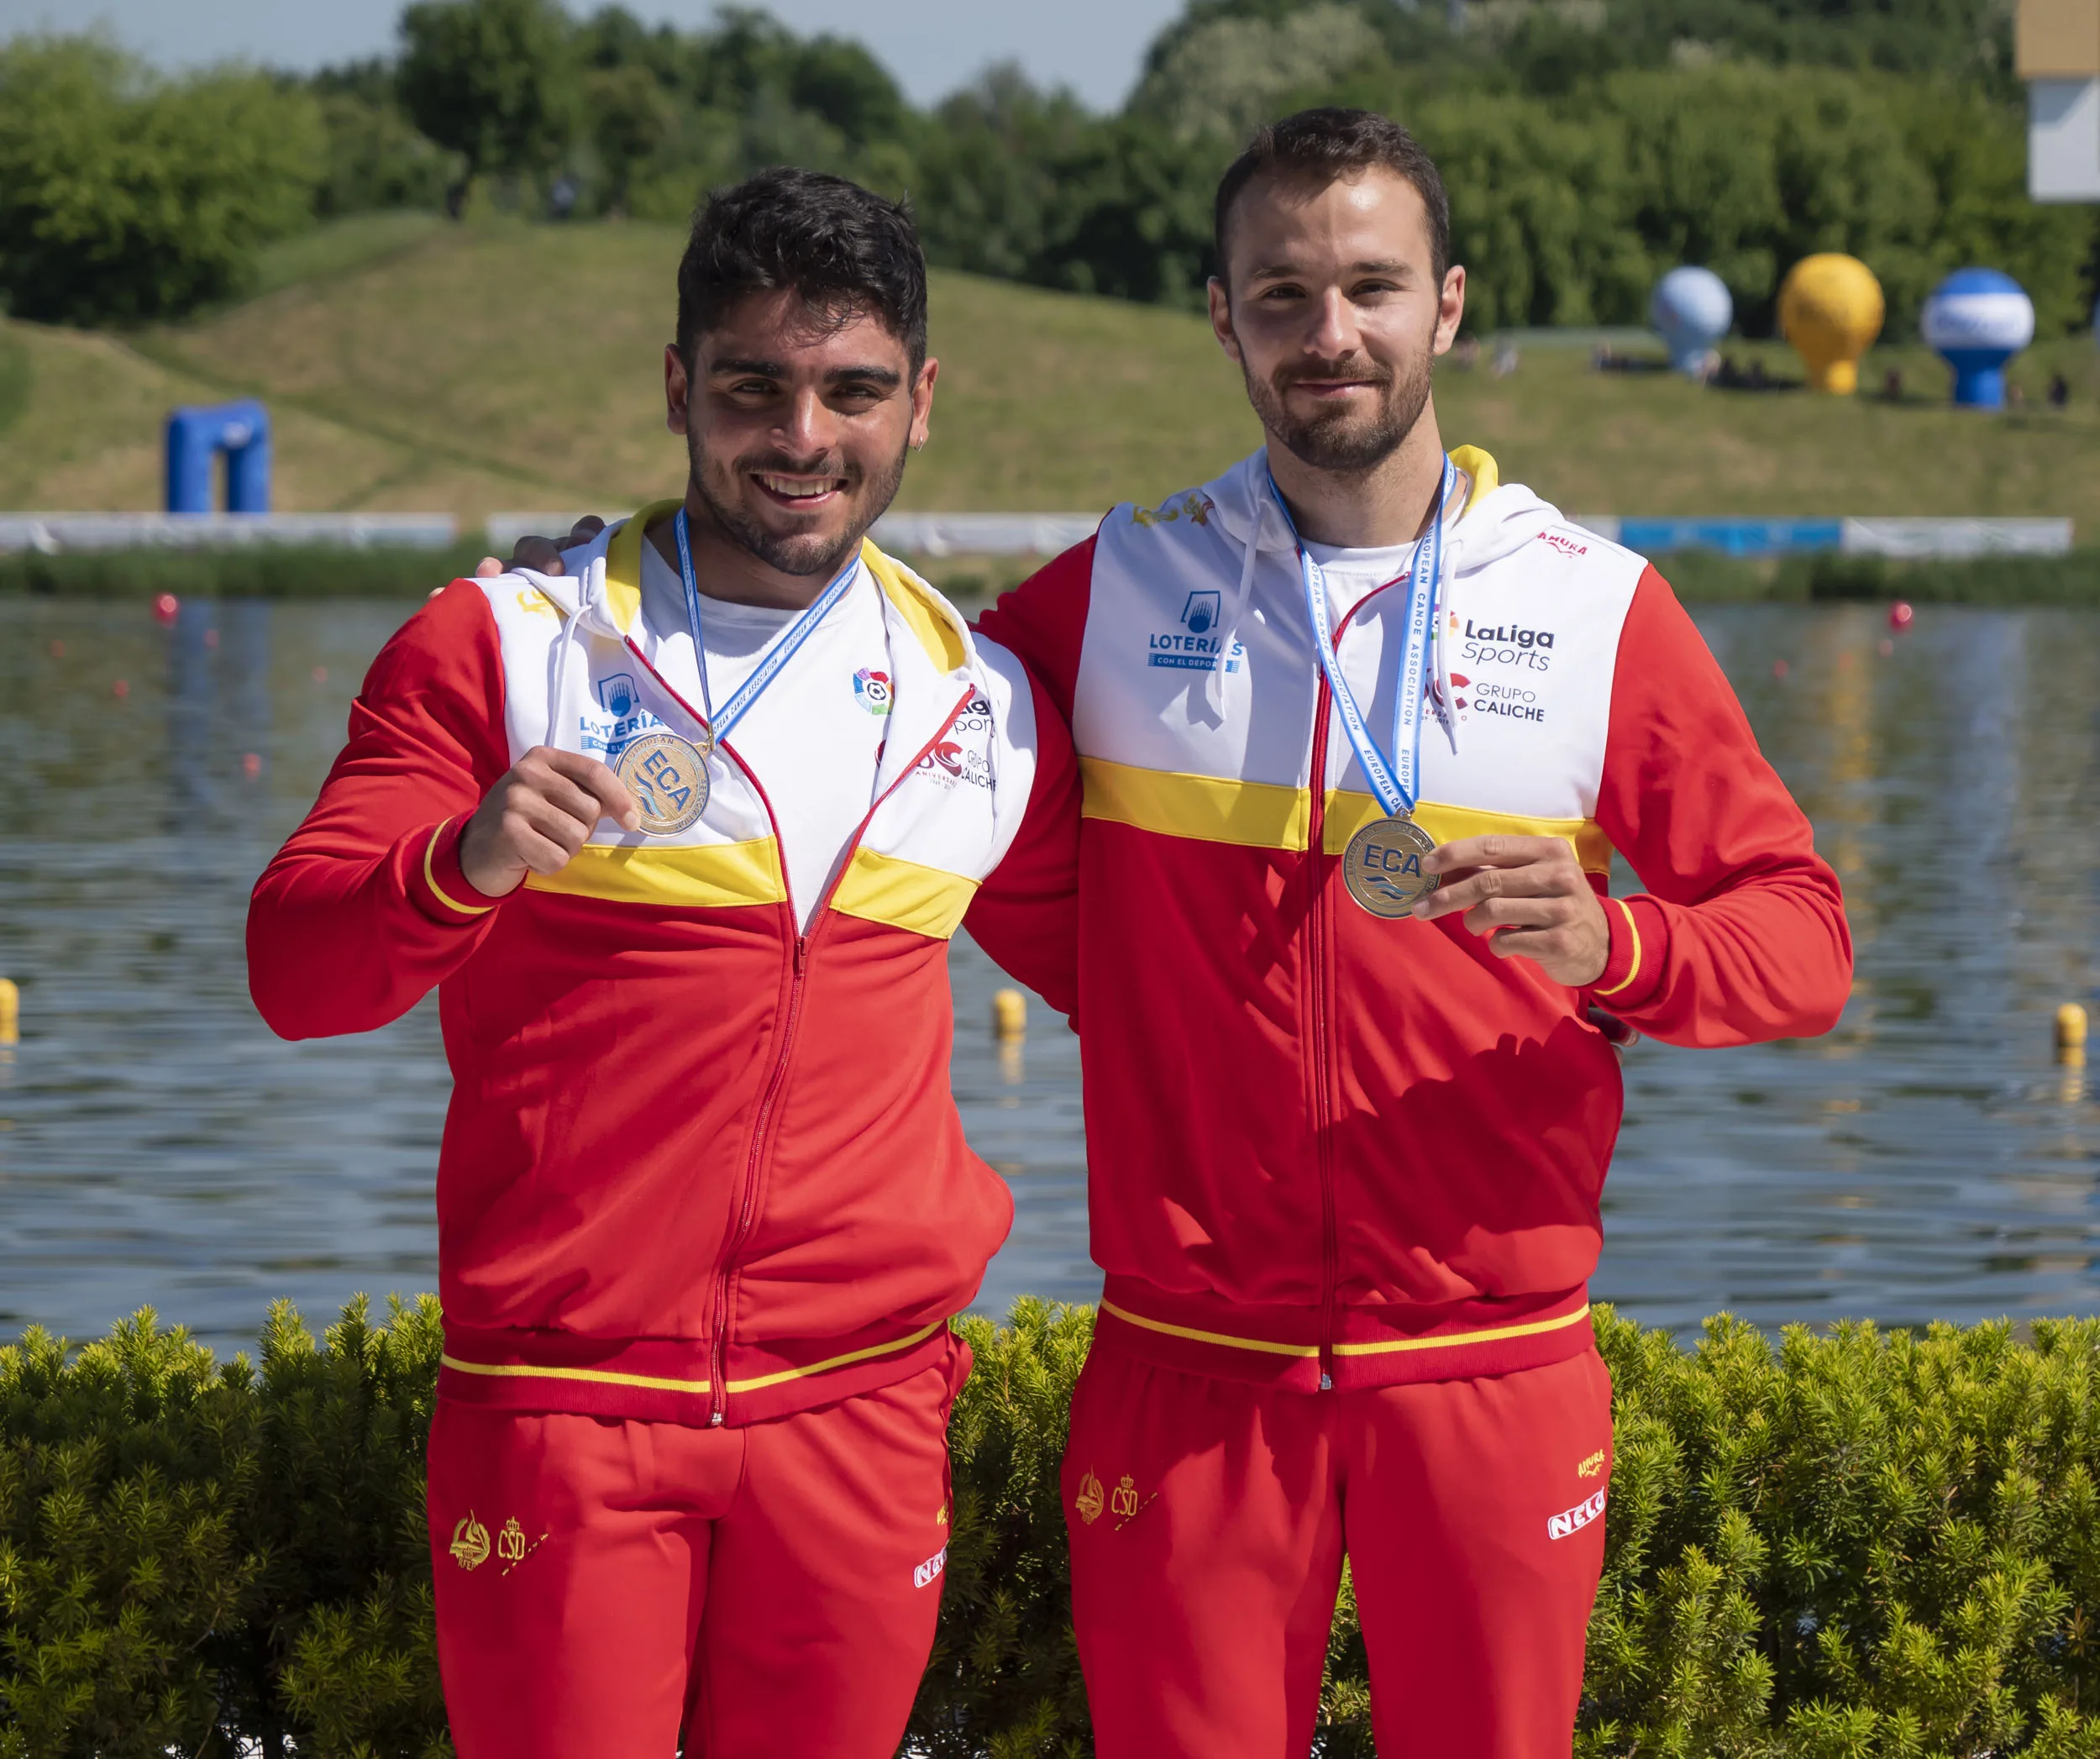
[871, 690]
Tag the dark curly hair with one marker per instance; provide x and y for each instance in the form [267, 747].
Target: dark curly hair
[844, 248]
[1329, 146]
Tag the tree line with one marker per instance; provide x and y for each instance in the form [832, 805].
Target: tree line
[1589, 145]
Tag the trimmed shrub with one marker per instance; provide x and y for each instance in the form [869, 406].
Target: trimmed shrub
[1853, 1545]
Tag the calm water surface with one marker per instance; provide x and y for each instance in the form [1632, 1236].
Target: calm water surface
[159, 1147]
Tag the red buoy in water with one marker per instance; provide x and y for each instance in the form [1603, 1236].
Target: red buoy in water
[1900, 616]
[250, 765]
[1779, 668]
[165, 604]
[120, 689]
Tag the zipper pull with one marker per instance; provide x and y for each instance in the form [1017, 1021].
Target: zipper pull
[715, 1421]
[1326, 1385]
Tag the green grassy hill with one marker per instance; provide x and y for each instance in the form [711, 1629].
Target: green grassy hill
[414, 364]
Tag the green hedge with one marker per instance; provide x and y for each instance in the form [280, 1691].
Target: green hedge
[1857, 1545]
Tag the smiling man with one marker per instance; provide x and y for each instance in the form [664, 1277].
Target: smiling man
[680, 834]
[1360, 726]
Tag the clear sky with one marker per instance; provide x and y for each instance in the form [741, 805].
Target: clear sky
[933, 46]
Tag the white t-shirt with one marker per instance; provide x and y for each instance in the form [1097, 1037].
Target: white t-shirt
[833, 696]
[1353, 574]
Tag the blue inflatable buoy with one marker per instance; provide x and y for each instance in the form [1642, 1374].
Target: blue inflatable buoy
[1976, 320]
[1691, 309]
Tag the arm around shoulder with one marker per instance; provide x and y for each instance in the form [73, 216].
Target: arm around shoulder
[1740, 934]
[365, 909]
[1025, 914]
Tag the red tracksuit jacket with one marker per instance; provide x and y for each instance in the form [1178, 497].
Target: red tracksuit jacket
[1328, 1148]
[697, 1166]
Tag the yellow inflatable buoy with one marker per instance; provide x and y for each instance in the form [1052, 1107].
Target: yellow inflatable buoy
[1830, 309]
[2071, 1035]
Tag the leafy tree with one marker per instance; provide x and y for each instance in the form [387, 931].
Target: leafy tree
[123, 199]
[492, 80]
[377, 159]
[1226, 76]
[631, 117]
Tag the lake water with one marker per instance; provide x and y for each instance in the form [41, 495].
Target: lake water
[159, 1147]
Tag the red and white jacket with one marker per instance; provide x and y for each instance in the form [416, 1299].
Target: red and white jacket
[697, 1166]
[1326, 1148]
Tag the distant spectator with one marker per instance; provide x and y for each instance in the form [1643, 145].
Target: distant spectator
[1892, 385]
[1467, 355]
[1505, 362]
[561, 199]
[2015, 398]
[2058, 392]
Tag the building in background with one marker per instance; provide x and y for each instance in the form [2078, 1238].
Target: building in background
[2057, 53]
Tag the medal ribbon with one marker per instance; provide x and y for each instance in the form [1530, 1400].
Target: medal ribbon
[1395, 781]
[777, 656]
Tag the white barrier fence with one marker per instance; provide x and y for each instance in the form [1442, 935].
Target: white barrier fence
[1043, 534]
[53, 533]
[1912, 538]
[907, 535]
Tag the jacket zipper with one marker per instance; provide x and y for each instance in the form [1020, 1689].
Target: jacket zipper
[1316, 916]
[1317, 983]
[747, 1208]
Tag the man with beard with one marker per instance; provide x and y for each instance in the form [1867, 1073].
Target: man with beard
[1360, 726]
[679, 833]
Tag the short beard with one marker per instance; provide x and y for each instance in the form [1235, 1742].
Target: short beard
[794, 554]
[1344, 441]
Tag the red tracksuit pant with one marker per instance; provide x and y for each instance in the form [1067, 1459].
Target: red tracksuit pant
[1209, 1520]
[770, 1589]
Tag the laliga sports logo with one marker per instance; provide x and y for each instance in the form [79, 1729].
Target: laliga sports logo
[871, 690]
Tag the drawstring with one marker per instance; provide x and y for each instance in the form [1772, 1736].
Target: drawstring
[585, 594]
[1229, 623]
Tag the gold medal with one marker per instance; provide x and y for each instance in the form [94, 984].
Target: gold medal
[1382, 866]
[668, 777]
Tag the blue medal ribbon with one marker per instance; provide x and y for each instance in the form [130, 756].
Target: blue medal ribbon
[777, 656]
[1396, 781]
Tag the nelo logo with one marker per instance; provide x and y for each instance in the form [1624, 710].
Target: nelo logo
[1574, 1520]
[929, 1573]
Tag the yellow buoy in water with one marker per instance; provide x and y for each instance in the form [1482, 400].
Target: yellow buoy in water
[1830, 309]
[2071, 1034]
[1009, 1014]
[10, 1011]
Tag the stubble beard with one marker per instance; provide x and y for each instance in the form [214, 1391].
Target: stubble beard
[1344, 441]
[798, 554]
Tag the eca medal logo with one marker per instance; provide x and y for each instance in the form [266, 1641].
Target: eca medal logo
[469, 1547]
[668, 778]
[871, 690]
